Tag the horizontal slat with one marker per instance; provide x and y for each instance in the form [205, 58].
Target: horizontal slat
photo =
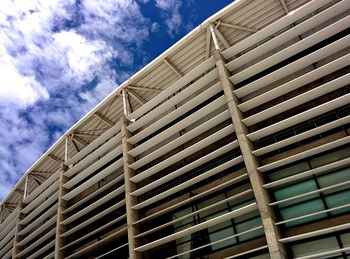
[106, 147]
[184, 153]
[203, 67]
[312, 214]
[93, 219]
[328, 188]
[6, 248]
[305, 154]
[186, 168]
[201, 113]
[39, 209]
[298, 100]
[212, 75]
[9, 223]
[293, 49]
[192, 181]
[94, 232]
[314, 171]
[220, 241]
[50, 255]
[42, 250]
[189, 200]
[175, 114]
[8, 255]
[39, 220]
[37, 243]
[94, 194]
[315, 233]
[113, 250]
[86, 250]
[7, 238]
[326, 254]
[94, 144]
[288, 35]
[95, 179]
[302, 136]
[93, 167]
[311, 113]
[229, 199]
[198, 227]
[95, 205]
[38, 231]
[295, 83]
[40, 198]
[295, 66]
[41, 188]
[181, 140]
[274, 27]
[247, 252]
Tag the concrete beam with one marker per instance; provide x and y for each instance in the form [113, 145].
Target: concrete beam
[285, 8]
[131, 215]
[147, 89]
[172, 67]
[138, 98]
[207, 43]
[79, 140]
[104, 118]
[62, 205]
[276, 248]
[222, 38]
[126, 103]
[238, 27]
[21, 192]
[16, 248]
[55, 158]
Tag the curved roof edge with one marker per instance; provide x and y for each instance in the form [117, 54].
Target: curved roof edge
[149, 66]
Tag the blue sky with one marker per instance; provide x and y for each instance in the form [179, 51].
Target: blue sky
[59, 58]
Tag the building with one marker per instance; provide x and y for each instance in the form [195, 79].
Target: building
[234, 143]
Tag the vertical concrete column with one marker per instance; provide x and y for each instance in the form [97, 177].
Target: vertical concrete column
[62, 205]
[272, 233]
[16, 248]
[131, 214]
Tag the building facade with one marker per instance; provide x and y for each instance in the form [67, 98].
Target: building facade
[234, 143]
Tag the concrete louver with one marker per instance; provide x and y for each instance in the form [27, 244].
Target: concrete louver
[215, 149]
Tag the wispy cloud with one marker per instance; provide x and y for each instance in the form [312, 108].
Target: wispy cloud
[57, 60]
[171, 11]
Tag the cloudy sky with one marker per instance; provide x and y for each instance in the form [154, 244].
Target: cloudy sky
[59, 58]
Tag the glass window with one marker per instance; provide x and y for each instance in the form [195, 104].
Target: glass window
[182, 224]
[247, 225]
[315, 247]
[303, 209]
[291, 170]
[296, 189]
[334, 177]
[330, 157]
[345, 238]
[221, 234]
[338, 199]
[210, 202]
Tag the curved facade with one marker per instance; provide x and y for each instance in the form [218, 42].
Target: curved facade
[234, 143]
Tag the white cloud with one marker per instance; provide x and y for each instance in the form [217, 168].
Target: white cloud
[82, 56]
[16, 88]
[57, 60]
[155, 27]
[171, 10]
